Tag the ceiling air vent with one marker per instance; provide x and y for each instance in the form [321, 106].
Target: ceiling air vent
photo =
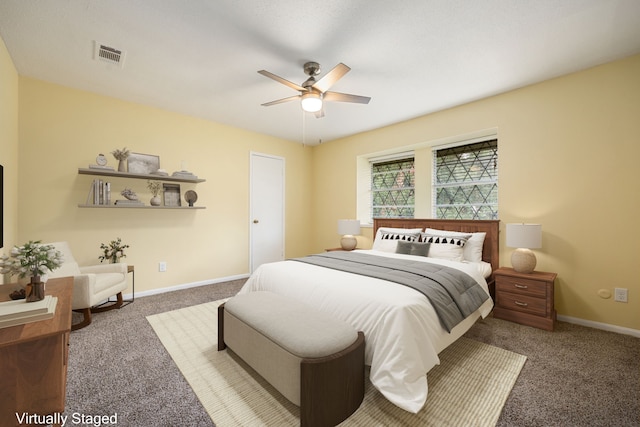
[108, 54]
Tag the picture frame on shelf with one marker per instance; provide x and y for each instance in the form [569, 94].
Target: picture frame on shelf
[143, 163]
[171, 194]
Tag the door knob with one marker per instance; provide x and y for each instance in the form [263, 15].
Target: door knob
[255, 221]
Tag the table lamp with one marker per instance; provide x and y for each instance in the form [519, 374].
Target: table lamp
[348, 228]
[524, 237]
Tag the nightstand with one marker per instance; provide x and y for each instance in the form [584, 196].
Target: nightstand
[525, 298]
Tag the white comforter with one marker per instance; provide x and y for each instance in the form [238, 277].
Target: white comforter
[402, 331]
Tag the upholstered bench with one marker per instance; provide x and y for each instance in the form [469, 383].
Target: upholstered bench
[314, 360]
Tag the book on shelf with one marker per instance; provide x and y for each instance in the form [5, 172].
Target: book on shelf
[19, 312]
[126, 202]
[106, 168]
[184, 174]
[99, 193]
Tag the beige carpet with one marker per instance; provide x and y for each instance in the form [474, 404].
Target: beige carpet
[468, 388]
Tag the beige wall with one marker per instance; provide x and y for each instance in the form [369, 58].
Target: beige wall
[63, 129]
[568, 159]
[9, 146]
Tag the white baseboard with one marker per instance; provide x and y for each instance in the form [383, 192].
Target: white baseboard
[185, 286]
[598, 325]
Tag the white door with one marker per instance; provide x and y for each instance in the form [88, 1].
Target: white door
[266, 210]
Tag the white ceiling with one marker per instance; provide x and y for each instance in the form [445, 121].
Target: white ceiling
[413, 57]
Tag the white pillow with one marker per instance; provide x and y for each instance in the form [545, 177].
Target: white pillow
[447, 247]
[472, 250]
[386, 239]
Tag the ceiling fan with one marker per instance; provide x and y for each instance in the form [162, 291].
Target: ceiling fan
[312, 92]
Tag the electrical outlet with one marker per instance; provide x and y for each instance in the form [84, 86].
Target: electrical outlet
[162, 267]
[620, 294]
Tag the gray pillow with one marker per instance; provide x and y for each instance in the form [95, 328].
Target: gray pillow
[412, 248]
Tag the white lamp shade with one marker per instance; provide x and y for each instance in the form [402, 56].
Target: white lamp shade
[348, 227]
[311, 102]
[528, 236]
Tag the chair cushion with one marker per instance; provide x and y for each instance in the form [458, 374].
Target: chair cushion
[66, 269]
[69, 265]
[107, 281]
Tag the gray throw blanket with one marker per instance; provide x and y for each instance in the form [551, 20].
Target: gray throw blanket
[453, 293]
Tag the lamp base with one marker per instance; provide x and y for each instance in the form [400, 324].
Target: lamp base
[523, 260]
[348, 242]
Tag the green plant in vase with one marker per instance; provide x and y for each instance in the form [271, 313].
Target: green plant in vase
[155, 187]
[113, 251]
[32, 260]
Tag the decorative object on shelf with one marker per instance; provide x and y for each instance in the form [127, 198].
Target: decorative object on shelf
[143, 163]
[171, 194]
[31, 259]
[191, 197]
[154, 187]
[129, 194]
[121, 156]
[101, 160]
[184, 174]
[101, 163]
[348, 228]
[113, 251]
[524, 237]
[160, 172]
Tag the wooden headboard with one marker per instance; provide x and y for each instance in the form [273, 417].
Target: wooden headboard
[490, 250]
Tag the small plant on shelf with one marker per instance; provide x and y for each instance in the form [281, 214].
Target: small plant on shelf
[154, 187]
[121, 154]
[121, 157]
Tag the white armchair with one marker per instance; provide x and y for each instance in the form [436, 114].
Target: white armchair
[92, 285]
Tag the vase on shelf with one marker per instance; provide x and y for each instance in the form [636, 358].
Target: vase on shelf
[155, 201]
[122, 165]
[35, 289]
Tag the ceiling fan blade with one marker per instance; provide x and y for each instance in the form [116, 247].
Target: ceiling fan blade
[281, 80]
[345, 97]
[280, 101]
[331, 77]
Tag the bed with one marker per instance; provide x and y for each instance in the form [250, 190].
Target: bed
[404, 333]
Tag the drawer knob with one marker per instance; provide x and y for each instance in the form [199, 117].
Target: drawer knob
[521, 304]
[519, 286]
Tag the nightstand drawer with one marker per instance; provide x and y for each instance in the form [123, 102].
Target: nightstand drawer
[521, 286]
[523, 303]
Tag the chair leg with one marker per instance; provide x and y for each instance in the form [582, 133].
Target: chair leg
[86, 321]
[117, 304]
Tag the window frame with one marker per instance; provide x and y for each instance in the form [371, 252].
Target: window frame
[397, 158]
[477, 208]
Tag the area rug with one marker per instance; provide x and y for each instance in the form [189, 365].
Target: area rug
[468, 388]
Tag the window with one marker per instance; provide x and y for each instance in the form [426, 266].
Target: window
[465, 181]
[393, 188]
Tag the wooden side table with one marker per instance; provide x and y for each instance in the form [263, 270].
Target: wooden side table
[33, 358]
[523, 298]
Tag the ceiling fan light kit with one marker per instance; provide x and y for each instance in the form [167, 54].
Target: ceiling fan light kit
[312, 92]
[311, 102]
